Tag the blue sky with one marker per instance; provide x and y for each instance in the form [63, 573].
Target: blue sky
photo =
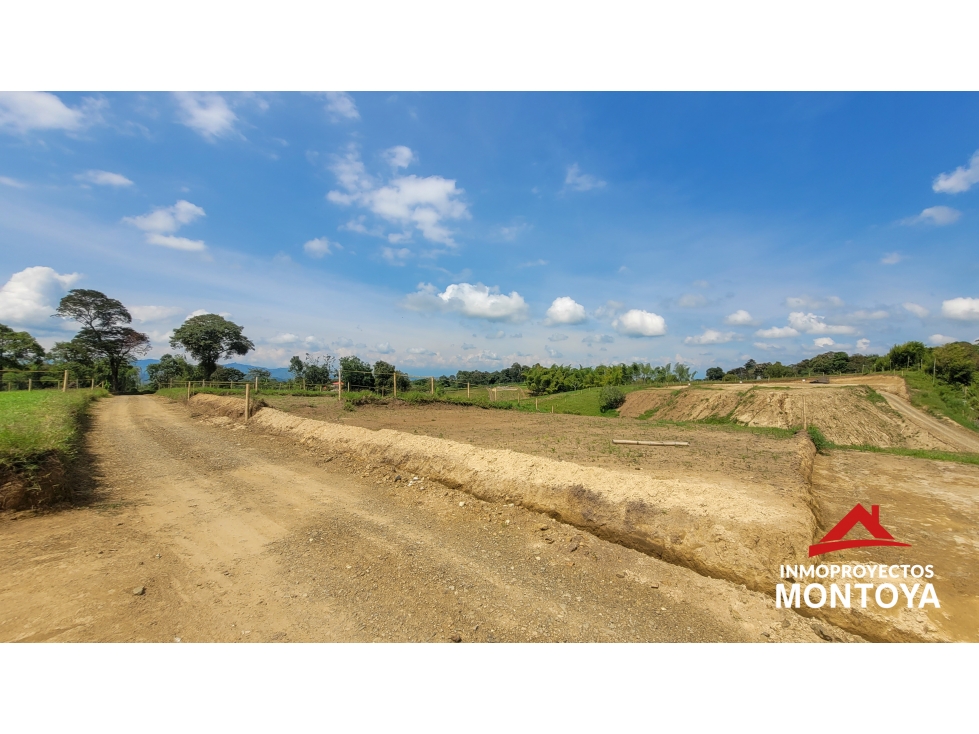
[442, 231]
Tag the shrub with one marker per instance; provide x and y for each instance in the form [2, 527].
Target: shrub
[610, 398]
[820, 441]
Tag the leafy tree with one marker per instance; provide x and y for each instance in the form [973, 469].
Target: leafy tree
[258, 373]
[610, 398]
[170, 368]
[714, 373]
[357, 373]
[103, 334]
[210, 337]
[18, 349]
[315, 371]
[957, 362]
[227, 374]
[907, 355]
[776, 370]
[384, 378]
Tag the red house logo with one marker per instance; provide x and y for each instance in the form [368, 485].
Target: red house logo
[834, 539]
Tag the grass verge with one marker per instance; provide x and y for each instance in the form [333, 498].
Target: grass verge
[39, 438]
[941, 399]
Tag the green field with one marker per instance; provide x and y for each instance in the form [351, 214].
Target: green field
[37, 423]
[939, 398]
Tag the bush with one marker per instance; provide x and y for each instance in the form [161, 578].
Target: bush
[820, 441]
[610, 398]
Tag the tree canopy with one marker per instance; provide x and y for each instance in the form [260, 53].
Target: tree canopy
[104, 334]
[210, 337]
[18, 349]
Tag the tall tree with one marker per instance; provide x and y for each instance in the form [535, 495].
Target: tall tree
[18, 349]
[104, 334]
[210, 337]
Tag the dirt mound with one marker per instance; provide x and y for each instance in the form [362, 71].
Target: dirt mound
[727, 528]
[36, 486]
[846, 414]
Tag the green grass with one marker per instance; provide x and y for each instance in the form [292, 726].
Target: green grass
[822, 443]
[940, 399]
[726, 424]
[961, 458]
[35, 424]
[875, 397]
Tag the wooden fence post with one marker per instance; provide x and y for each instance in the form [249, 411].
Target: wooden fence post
[64, 384]
[339, 385]
[433, 387]
[247, 386]
[468, 394]
[188, 391]
[394, 381]
[93, 383]
[29, 381]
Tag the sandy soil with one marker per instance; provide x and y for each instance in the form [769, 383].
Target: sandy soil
[843, 410]
[226, 533]
[933, 505]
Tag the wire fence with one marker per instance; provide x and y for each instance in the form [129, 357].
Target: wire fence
[30, 380]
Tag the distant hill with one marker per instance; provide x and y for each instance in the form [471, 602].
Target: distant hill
[278, 373]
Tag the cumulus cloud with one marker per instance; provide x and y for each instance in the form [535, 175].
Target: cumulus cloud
[158, 223]
[767, 347]
[320, 246]
[424, 203]
[473, 301]
[691, 300]
[146, 314]
[420, 350]
[565, 310]
[961, 309]
[777, 332]
[103, 178]
[578, 181]
[940, 216]
[810, 323]
[739, 318]
[939, 339]
[638, 323]
[552, 353]
[284, 339]
[863, 345]
[891, 258]
[206, 114]
[21, 112]
[598, 339]
[823, 341]
[384, 348]
[400, 156]
[341, 106]
[919, 311]
[959, 180]
[711, 336]
[500, 334]
[31, 296]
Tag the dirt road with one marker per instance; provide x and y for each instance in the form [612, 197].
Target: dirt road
[196, 531]
[958, 438]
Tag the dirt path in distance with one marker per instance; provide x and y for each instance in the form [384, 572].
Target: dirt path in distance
[229, 534]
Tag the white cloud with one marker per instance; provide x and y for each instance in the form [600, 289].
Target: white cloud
[959, 180]
[419, 350]
[284, 339]
[159, 222]
[474, 301]
[422, 202]
[767, 347]
[341, 105]
[598, 339]
[777, 332]
[640, 323]
[891, 258]
[466, 346]
[810, 323]
[807, 302]
[823, 341]
[204, 311]
[21, 112]
[557, 337]
[206, 114]
[153, 313]
[31, 296]
[552, 353]
[919, 311]
[103, 178]
[711, 336]
[395, 256]
[12, 183]
[578, 181]
[863, 345]
[862, 315]
[565, 310]
[400, 156]
[939, 339]
[940, 216]
[384, 348]
[961, 309]
[691, 300]
[499, 334]
[739, 318]
[319, 246]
